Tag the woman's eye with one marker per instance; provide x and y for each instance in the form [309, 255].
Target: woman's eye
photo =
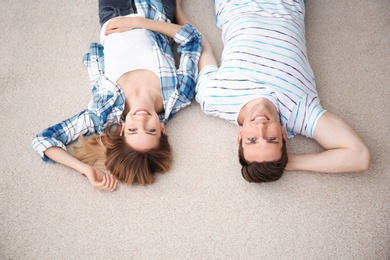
[151, 130]
[271, 138]
[251, 139]
[132, 129]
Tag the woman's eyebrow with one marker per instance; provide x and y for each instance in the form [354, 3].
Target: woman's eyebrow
[133, 133]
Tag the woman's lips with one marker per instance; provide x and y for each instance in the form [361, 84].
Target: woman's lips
[141, 111]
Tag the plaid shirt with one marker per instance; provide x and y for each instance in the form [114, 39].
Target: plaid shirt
[108, 101]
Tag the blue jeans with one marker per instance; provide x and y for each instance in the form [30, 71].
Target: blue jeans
[109, 9]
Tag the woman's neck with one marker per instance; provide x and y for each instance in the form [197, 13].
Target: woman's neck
[142, 90]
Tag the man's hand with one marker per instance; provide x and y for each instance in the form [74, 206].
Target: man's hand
[101, 180]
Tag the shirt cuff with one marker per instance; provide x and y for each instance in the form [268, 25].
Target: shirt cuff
[186, 33]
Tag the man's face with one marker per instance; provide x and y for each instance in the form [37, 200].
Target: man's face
[142, 129]
[261, 134]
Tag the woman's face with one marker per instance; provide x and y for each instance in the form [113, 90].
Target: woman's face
[142, 129]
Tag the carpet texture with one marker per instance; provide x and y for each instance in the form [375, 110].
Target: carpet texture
[202, 208]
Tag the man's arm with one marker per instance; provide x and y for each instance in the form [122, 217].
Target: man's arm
[344, 151]
[207, 56]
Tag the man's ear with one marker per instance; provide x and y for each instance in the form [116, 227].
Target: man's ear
[239, 137]
[284, 134]
[162, 128]
[122, 129]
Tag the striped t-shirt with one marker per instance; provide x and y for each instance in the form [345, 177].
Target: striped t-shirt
[264, 56]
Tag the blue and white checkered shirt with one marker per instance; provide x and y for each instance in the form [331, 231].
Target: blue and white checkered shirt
[108, 101]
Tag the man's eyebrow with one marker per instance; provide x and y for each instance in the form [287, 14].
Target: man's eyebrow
[268, 141]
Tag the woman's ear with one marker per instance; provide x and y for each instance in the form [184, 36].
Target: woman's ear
[162, 128]
[122, 129]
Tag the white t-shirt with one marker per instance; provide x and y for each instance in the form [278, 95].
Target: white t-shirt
[264, 56]
[127, 51]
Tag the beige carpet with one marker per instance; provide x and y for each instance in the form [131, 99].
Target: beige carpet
[202, 208]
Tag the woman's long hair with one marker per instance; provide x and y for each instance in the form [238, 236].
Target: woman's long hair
[110, 152]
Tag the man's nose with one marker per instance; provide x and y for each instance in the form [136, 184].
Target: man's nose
[261, 130]
[261, 126]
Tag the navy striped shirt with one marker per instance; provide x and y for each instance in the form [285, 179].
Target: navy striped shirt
[264, 56]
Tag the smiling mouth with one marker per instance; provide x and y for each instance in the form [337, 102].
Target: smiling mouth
[141, 111]
[260, 117]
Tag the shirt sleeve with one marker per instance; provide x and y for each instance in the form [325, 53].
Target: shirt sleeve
[94, 62]
[203, 80]
[304, 116]
[61, 134]
[189, 50]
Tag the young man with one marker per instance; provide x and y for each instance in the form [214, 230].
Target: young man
[266, 86]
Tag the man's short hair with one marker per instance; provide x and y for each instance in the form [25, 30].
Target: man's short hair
[263, 171]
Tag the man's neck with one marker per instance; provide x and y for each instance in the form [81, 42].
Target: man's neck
[249, 105]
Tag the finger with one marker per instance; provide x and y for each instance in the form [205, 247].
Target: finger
[101, 184]
[114, 185]
[111, 182]
[109, 31]
[108, 182]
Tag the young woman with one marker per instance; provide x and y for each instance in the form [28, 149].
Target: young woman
[136, 88]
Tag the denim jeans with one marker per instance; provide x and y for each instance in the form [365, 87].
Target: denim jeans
[109, 9]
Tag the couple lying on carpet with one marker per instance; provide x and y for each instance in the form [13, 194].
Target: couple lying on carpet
[264, 85]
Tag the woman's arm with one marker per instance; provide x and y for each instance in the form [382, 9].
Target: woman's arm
[122, 24]
[65, 132]
[96, 177]
[344, 151]
[51, 143]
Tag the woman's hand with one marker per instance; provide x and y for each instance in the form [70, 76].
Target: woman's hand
[97, 178]
[123, 24]
[101, 180]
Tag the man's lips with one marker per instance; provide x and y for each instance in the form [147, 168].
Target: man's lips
[141, 111]
[260, 117]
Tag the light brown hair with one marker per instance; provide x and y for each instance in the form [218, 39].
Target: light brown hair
[110, 152]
